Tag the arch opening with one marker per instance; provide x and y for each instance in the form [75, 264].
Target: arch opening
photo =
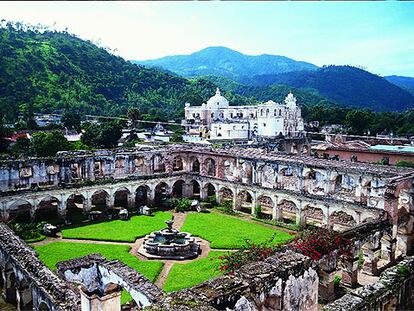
[47, 210]
[162, 195]
[141, 196]
[178, 189]
[196, 189]
[75, 208]
[244, 202]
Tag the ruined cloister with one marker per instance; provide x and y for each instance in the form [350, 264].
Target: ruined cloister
[345, 196]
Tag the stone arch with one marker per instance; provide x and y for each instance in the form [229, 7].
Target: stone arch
[288, 209]
[210, 167]
[196, 189]
[75, 205]
[121, 197]
[266, 204]
[157, 164]
[99, 200]
[226, 194]
[340, 220]
[141, 195]
[178, 189]
[313, 215]
[47, 209]
[195, 165]
[244, 201]
[19, 210]
[178, 164]
[162, 194]
[210, 190]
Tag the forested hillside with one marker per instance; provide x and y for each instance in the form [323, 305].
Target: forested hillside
[48, 71]
[225, 62]
[345, 85]
[406, 83]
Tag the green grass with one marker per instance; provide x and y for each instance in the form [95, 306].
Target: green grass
[229, 232]
[54, 252]
[119, 230]
[193, 273]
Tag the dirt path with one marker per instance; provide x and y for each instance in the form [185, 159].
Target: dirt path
[164, 274]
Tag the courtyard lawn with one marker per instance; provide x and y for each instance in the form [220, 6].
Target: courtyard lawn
[119, 230]
[54, 252]
[193, 273]
[228, 232]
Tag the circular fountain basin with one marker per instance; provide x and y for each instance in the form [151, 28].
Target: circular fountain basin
[169, 244]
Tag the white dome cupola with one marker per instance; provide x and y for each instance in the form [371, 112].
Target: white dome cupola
[217, 101]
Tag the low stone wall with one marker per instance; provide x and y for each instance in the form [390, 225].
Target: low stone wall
[286, 281]
[393, 291]
[95, 273]
[45, 287]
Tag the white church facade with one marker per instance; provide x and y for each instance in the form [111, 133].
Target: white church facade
[217, 121]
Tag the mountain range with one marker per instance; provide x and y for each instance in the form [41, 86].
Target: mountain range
[345, 85]
[225, 62]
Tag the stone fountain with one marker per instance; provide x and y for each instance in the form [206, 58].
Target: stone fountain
[169, 243]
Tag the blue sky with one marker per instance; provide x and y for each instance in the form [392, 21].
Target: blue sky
[378, 36]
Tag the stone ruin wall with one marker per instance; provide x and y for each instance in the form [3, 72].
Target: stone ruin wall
[34, 283]
[286, 281]
[393, 291]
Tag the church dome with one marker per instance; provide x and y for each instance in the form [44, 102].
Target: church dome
[217, 101]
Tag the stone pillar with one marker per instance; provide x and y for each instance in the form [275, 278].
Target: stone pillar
[87, 204]
[254, 204]
[110, 201]
[326, 284]
[371, 258]
[203, 193]
[62, 210]
[110, 300]
[350, 270]
[388, 247]
[276, 215]
[24, 298]
[187, 190]
[131, 200]
[235, 199]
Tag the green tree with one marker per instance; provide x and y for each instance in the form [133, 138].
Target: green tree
[134, 115]
[45, 144]
[4, 144]
[105, 135]
[71, 120]
[359, 121]
[21, 147]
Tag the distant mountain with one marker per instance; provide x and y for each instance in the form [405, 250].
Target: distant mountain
[406, 83]
[275, 92]
[345, 85]
[225, 62]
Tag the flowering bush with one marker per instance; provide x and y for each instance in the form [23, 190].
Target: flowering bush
[248, 253]
[313, 242]
[318, 242]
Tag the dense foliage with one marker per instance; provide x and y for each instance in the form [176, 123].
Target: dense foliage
[312, 242]
[319, 242]
[48, 71]
[345, 85]
[222, 61]
[104, 135]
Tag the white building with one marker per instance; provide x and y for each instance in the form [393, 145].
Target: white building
[216, 120]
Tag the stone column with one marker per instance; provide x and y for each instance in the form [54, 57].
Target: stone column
[327, 270]
[371, 258]
[254, 203]
[110, 201]
[326, 285]
[350, 269]
[87, 204]
[24, 298]
[275, 210]
[235, 199]
[131, 200]
[62, 210]
[187, 190]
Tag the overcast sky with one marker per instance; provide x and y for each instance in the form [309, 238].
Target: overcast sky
[376, 35]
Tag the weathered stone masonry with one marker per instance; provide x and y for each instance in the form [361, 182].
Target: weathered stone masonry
[342, 195]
